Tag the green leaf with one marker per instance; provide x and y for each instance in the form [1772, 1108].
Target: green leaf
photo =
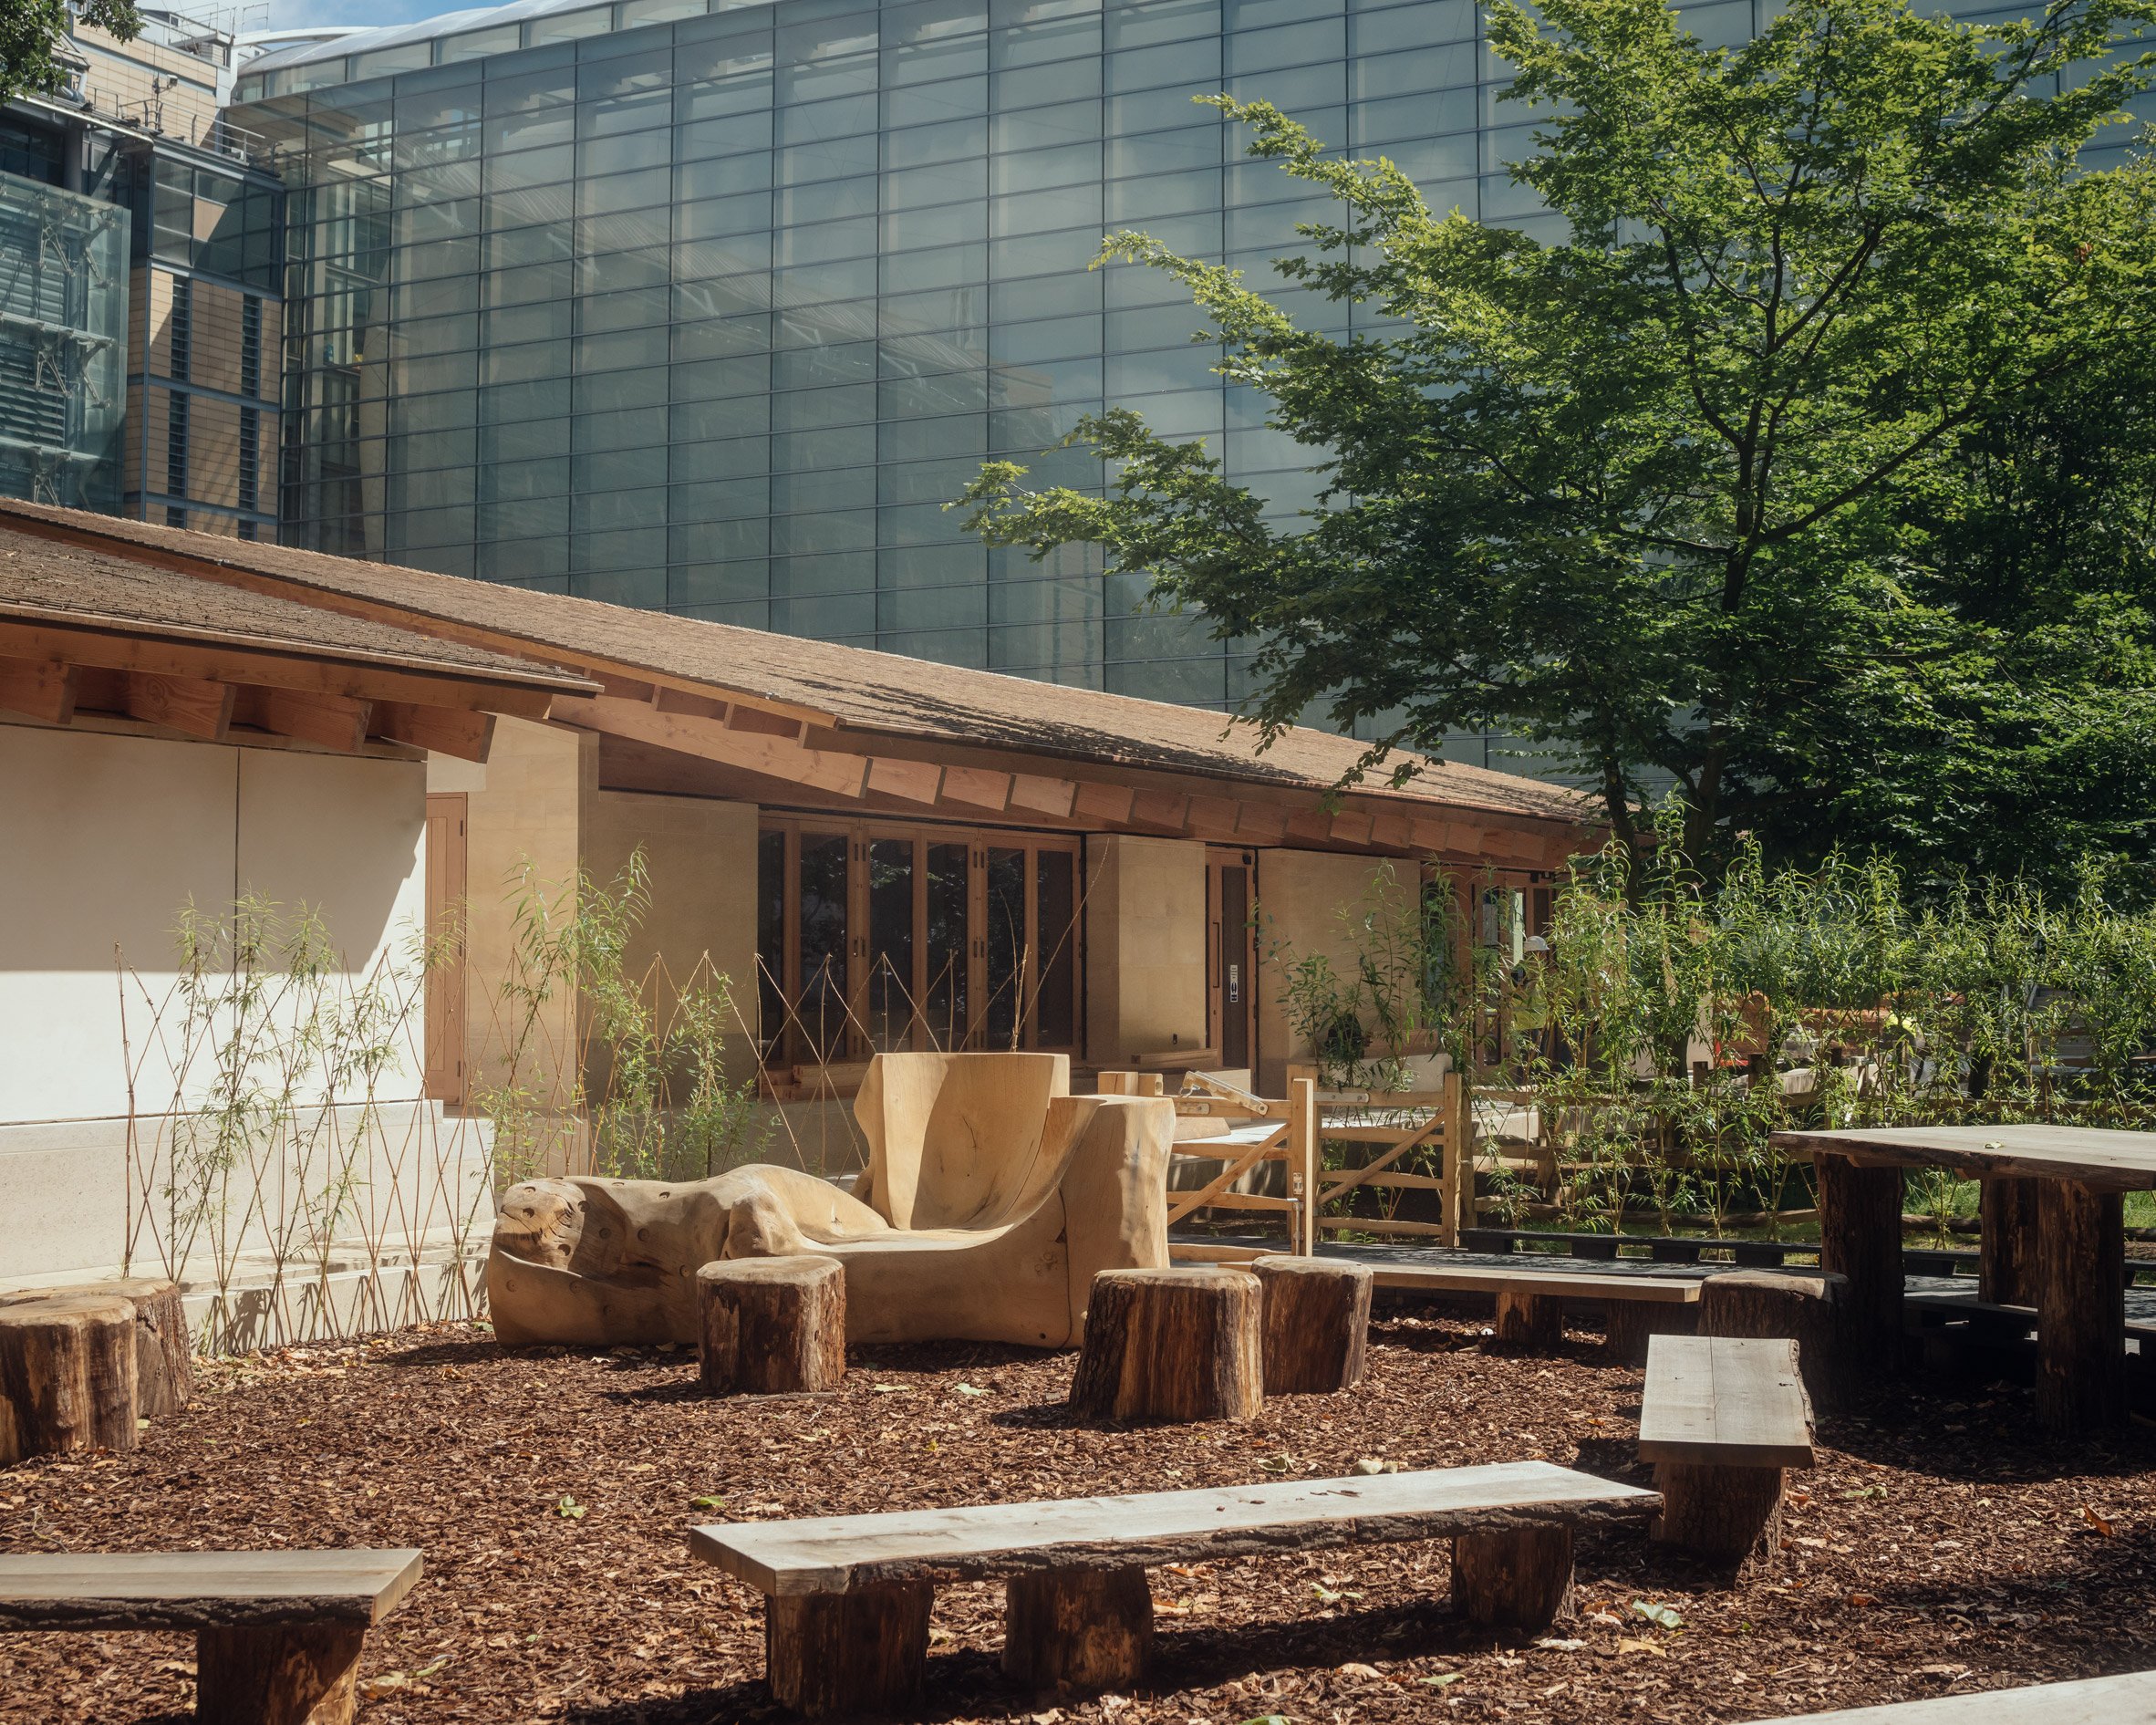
[1667, 1617]
[569, 1510]
[706, 1503]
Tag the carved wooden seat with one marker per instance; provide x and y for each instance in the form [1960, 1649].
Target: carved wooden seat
[1721, 1418]
[848, 1597]
[278, 1633]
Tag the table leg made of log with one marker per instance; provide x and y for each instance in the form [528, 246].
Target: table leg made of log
[1861, 1239]
[833, 1655]
[2080, 1300]
[282, 1674]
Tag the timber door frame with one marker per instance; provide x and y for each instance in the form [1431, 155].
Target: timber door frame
[1222, 946]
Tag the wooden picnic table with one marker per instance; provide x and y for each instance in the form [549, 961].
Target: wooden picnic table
[2053, 1236]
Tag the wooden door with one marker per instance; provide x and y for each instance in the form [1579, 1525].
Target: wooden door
[447, 818]
[1231, 958]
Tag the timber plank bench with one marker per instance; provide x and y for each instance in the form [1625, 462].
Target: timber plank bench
[1721, 1418]
[277, 1633]
[2129, 1699]
[1530, 1302]
[847, 1596]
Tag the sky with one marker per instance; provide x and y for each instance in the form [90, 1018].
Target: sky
[290, 14]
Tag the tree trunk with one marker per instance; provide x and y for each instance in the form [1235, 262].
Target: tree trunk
[2080, 1307]
[67, 1374]
[1628, 1325]
[1084, 1628]
[2006, 1242]
[1526, 1320]
[1520, 1580]
[1807, 1309]
[1317, 1323]
[1172, 1345]
[1724, 1514]
[1860, 1238]
[771, 1325]
[838, 1655]
[295, 1674]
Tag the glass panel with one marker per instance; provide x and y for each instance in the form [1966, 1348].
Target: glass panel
[1055, 888]
[771, 940]
[1006, 938]
[945, 995]
[890, 943]
[822, 1003]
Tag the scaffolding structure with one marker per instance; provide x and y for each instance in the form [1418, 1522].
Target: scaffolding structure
[63, 344]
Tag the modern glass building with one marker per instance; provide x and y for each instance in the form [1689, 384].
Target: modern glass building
[713, 307]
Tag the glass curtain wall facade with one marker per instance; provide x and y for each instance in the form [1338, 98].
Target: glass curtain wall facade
[714, 311]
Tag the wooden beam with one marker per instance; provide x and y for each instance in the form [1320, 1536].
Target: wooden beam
[331, 721]
[756, 722]
[1312, 825]
[437, 729]
[200, 709]
[1107, 804]
[358, 679]
[685, 701]
[1261, 822]
[630, 689]
[39, 689]
[977, 787]
[1428, 835]
[1391, 830]
[1212, 818]
[774, 757]
[1163, 809]
[1351, 828]
[1044, 796]
[910, 781]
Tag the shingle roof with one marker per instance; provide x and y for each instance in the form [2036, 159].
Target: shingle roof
[857, 689]
[49, 581]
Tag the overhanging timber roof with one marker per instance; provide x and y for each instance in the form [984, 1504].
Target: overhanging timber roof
[888, 733]
[83, 631]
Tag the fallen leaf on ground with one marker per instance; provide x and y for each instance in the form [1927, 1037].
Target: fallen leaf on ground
[1626, 1643]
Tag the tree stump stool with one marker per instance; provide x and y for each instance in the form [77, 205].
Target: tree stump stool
[67, 1374]
[164, 1359]
[1628, 1325]
[1317, 1323]
[833, 1655]
[1078, 1628]
[1807, 1309]
[771, 1327]
[1172, 1345]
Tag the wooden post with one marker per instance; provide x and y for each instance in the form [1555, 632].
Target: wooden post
[287, 1673]
[1517, 1580]
[1529, 1320]
[771, 1325]
[1317, 1323]
[838, 1655]
[1302, 1162]
[2080, 1275]
[1458, 1200]
[1080, 1628]
[1177, 1345]
[1860, 1238]
[1724, 1515]
[1807, 1309]
[2006, 1242]
[67, 1374]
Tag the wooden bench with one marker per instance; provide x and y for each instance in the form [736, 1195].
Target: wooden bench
[1531, 1303]
[2129, 1699]
[277, 1633]
[847, 1596]
[1721, 1418]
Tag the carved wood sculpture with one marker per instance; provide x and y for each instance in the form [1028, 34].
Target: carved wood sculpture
[1186, 1344]
[992, 1199]
[1317, 1323]
[772, 1325]
[67, 1374]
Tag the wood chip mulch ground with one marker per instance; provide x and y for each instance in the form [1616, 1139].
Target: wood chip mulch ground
[1941, 1547]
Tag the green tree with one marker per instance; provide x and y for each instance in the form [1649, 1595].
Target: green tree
[30, 30]
[1676, 494]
